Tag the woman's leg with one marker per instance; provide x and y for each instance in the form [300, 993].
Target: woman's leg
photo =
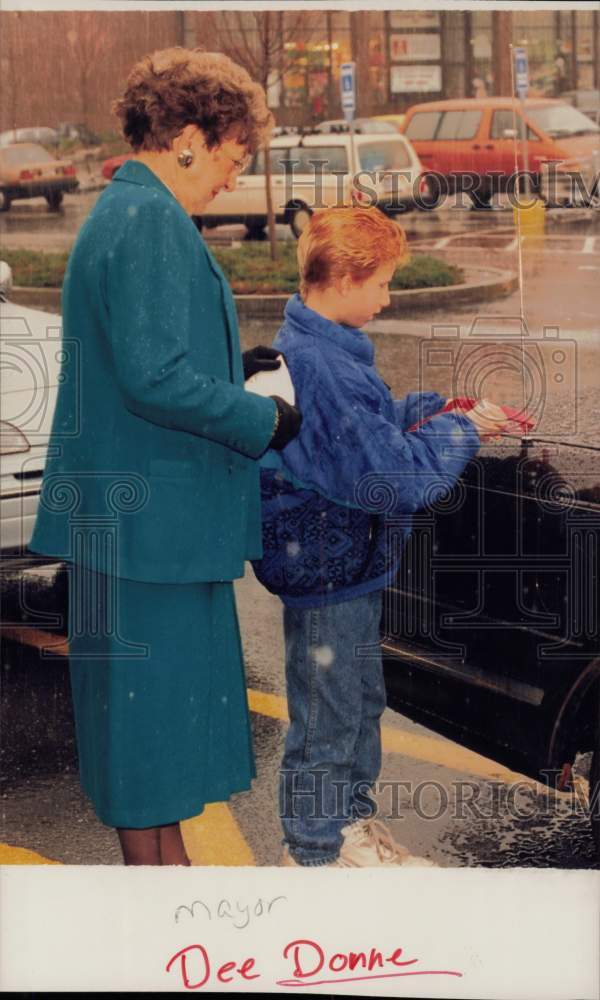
[156, 845]
[140, 847]
[172, 848]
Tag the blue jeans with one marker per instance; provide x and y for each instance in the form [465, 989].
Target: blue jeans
[336, 696]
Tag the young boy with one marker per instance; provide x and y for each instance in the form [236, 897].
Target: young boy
[324, 549]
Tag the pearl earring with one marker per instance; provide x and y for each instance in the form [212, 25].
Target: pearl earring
[185, 158]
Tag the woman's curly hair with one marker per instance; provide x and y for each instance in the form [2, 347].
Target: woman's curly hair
[175, 87]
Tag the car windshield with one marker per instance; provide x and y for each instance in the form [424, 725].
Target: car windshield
[383, 155]
[14, 156]
[368, 125]
[562, 120]
[307, 159]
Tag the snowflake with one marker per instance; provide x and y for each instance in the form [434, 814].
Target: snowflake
[324, 656]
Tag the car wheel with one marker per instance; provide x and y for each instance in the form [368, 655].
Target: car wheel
[299, 218]
[428, 202]
[481, 197]
[4, 202]
[255, 231]
[429, 196]
[54, 200]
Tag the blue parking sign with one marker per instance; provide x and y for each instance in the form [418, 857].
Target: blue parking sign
[521, 72]
[348, 88]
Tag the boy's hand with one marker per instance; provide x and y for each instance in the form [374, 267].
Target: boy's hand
[260, 359]
[489, 419]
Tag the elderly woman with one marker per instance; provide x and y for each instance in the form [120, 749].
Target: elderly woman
[151, 488]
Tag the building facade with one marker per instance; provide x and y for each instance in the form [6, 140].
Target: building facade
[77, 62]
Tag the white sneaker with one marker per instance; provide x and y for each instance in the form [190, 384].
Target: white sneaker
[368, 843]
[287, 861]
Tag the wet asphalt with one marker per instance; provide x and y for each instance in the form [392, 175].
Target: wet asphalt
[435, 798]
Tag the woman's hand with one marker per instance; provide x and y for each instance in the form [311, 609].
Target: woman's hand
[287, 424]
[260, 359]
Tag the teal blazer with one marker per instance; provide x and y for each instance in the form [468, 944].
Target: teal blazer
[152, 470]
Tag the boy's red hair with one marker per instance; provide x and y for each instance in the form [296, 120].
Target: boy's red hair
[347, 241]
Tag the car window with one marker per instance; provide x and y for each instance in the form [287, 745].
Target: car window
[459, 125]
[561, 120]
[423, 125]
[368, 125]
[276, 157]
[504, 119]
[383, 155]
[14, 156]
[333, 157]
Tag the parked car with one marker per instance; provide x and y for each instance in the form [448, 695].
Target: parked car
[471, 144]
[316, 170]
[587, 101]
[79, 131]
[110, 166]
[30, 171]
[396, 120]
[36, 133]
[30, 358]
[362, 125]
[490, 629]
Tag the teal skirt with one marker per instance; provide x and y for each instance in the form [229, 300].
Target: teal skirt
[159, 697]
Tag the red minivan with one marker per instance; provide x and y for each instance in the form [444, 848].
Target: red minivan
[474, 145]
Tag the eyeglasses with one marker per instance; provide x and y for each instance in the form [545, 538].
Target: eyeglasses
[241, 164]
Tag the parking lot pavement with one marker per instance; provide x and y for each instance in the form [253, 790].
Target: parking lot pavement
[440, 799]
[29, 224]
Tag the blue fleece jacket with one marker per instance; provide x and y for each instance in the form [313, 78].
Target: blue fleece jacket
[325, 497]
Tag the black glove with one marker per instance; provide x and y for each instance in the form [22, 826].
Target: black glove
[260, 359]
[288, 424]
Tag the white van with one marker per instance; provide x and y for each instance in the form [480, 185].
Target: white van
[317, 170]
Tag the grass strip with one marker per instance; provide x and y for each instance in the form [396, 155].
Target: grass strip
[248, 268]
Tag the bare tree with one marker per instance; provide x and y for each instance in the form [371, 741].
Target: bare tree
[12, 65]
[91, 42]
[260, 41]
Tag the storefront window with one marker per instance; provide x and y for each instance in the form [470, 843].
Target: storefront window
[537, 30]
[585, 49]
[481, 83]
[454, 54]
[377, 69]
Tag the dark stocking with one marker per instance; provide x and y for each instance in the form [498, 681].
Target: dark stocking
[156, 845]
[172, 849]
[140, 847]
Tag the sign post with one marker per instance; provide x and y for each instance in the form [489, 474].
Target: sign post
[521, 78]
[348, 95]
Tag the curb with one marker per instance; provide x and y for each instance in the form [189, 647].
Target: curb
[484, 285]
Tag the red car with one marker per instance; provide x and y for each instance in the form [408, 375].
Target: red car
[110, 166]
[472, 144]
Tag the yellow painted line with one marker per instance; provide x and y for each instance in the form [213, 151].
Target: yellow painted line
[264, 703]
[422, 748]
[10, 855]
[58, 644]
[214, 838]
